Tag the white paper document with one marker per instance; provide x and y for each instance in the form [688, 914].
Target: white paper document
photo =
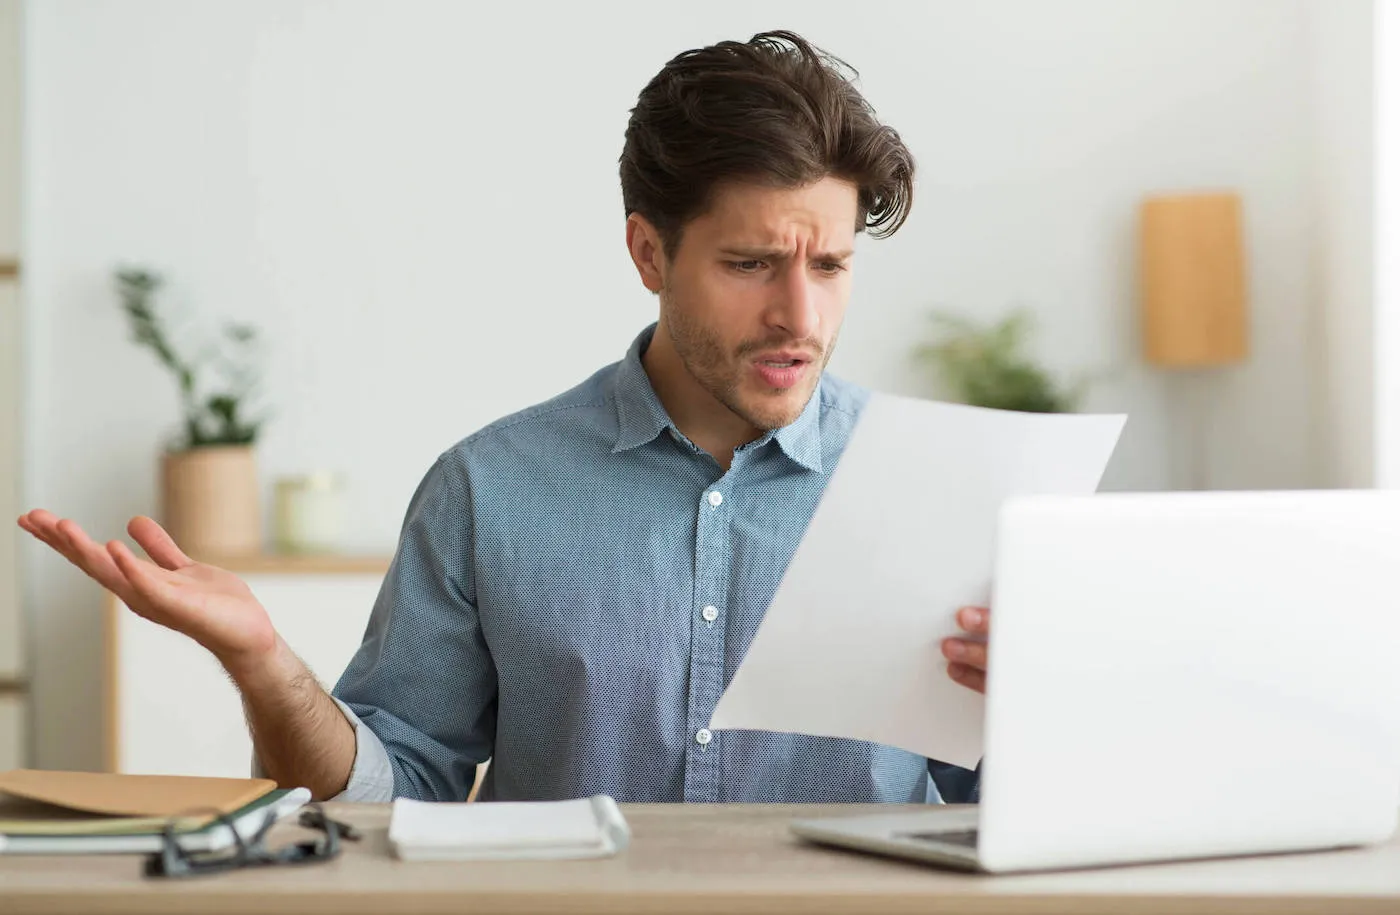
[905, 534]
[587, 827]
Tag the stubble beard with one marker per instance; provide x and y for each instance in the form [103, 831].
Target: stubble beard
[721, 374]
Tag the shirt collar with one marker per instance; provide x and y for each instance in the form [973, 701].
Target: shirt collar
[801, 439]
[641, 416]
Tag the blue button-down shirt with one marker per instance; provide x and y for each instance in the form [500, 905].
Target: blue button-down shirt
[574, 587]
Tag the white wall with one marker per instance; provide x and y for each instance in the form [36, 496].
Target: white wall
[419, 204]
[13, 660]
[1387, 265]
[1343, 36]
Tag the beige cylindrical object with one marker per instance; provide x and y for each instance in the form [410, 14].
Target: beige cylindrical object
[1193, 280]
[210, 502]
[309, 513]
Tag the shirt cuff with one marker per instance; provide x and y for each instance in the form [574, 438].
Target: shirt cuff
[371, 776]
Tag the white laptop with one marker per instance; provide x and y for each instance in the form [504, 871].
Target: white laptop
[1174, 676]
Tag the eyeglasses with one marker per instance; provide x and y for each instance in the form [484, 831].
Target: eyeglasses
[175, 860]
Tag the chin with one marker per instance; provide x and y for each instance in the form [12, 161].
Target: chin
[773, 416]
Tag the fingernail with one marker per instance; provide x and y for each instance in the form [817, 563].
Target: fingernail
[973, 616]
[956, 649]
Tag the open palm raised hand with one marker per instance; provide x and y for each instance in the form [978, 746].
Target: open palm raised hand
[209, 604]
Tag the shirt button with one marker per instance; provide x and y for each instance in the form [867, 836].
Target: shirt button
[716, 498]
[710, 614]
[703, 736]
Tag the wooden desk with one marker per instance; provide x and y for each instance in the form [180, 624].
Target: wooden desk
[715, 859]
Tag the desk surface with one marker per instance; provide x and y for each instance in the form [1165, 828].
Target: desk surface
[716, 859]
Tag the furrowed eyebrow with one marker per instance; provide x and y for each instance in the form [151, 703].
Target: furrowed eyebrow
[757, 254]
[771, 254]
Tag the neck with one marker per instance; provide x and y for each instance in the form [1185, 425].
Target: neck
[696, 412]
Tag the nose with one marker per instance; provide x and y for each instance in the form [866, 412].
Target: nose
[793, 305]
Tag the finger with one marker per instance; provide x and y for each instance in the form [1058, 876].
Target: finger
[59, 545]
[69, 541]
[158, 544]
[40, 517]
[44, 525]
[44, 533]
[967, 676]
[89, 556]
[972, 654]
[147, 580]
[976, 620]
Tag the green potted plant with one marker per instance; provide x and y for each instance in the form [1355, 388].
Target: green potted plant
[210, 500]
[986, 365]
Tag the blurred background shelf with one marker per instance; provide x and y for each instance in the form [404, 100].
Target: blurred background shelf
[300, 564]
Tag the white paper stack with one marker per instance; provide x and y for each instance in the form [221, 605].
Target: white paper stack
[584, 828]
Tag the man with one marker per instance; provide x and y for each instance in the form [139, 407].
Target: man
[575, 584]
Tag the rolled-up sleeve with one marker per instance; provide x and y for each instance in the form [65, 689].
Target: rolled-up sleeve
[372, 776]
[421, 690]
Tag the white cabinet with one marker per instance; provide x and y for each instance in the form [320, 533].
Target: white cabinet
[171, 709]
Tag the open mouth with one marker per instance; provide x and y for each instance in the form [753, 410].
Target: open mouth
[781, 370]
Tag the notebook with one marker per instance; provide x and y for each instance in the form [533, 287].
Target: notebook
[591, 827]
[46, 812]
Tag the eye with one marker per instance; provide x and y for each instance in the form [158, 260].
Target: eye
[745, 266]
[831, 268]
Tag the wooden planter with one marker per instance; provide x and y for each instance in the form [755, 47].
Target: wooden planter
[210, 502]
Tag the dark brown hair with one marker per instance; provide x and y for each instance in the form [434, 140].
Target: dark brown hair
[773, 110]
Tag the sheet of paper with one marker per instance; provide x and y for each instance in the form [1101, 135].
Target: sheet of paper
[522, 824]
[905, 534]
[588, 827]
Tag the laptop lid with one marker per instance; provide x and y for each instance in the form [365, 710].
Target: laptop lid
[1179, 675]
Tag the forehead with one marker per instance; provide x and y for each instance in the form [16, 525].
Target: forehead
[822, 213]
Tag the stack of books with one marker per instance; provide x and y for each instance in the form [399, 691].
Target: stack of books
[50, 812]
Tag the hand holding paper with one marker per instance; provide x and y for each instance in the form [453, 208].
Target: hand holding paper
[967, 657]
[904, 536]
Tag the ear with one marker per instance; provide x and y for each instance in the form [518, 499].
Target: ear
[644, 244]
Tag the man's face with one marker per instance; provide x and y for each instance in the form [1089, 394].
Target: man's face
[755, 293]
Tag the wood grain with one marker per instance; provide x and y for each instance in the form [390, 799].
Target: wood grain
[111, 686]
[728, 859]
[299, 564]
[1192, 261]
